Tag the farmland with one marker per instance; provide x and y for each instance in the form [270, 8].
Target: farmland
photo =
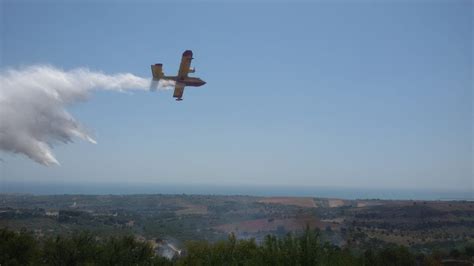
[419, 225]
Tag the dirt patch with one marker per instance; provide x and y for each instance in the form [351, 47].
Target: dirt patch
[363, 204]
[305, 202]
[193, 209]
[334, 203]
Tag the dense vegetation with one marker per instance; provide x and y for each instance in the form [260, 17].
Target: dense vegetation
[21, 248]
[361, 225]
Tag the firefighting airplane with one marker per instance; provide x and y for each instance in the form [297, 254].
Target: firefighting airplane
[182, 79]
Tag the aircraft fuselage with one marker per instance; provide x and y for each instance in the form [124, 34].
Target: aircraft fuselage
[188, 81]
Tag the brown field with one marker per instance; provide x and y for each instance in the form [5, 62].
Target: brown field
[339, 220]
[361, 204]
[192, 209]
[451, 205]
[305, 202]
[334, 203]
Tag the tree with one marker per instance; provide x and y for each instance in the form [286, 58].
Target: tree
[126, 251]
[80, 248]
[17, 248]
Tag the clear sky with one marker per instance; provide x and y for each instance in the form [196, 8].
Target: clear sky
[350, 94]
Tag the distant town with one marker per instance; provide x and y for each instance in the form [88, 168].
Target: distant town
[167, 221]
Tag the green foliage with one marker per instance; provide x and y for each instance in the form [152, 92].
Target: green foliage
[306, 249]
[230, 252]
[394, 256]
[126, 251]
[17, 248]
[21, 248]
[80, 248]
[469, 250]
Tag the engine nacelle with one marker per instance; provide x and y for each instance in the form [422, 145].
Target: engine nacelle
[192, 70]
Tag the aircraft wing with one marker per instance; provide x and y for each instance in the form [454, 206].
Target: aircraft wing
[185, 64]
[178, 90]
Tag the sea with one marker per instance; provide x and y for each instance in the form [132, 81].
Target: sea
[129, 188]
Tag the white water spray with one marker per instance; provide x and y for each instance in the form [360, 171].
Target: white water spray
[33, 102]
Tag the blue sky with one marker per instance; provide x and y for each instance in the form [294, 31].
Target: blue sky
[355, 94]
